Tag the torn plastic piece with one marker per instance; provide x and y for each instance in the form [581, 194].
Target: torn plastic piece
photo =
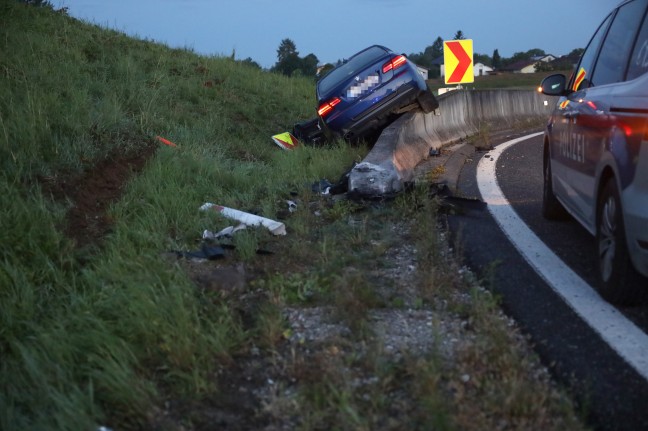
[322, 187]
[435, 152]
[342, 186]
[285, 140]
[209, 252]
[292, 206]
[227, 232]
[275, 227]
[165, 141]
[223, 246]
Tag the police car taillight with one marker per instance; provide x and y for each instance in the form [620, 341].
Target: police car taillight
[626, 129]
[394, 63]
[327, 107]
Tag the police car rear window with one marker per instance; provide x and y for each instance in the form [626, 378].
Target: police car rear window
[613, 58]
[639, 59]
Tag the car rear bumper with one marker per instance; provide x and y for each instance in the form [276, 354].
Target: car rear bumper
[378, 114]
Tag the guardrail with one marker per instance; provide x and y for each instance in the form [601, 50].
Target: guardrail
[462, 113]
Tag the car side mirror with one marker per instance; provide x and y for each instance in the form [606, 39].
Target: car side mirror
[554, 85]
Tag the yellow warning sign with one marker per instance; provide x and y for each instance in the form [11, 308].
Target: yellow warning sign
[285, 140]
[458, 61]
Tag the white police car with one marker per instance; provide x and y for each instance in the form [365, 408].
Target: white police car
[596, 150]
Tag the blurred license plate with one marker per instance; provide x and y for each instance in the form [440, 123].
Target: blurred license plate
[363, 87]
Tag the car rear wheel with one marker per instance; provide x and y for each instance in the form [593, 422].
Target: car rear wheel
[619, 282]
[552, 209]
[427, 101]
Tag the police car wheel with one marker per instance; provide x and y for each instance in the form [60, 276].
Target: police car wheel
[619, 282]
[552, 209]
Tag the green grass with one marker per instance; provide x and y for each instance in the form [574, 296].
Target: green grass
[113, 333]
[84, 335]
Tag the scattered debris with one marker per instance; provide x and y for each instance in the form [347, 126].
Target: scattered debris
[286, 140]
[275, 227]
[309, 131]
[165, 141]
[322, 187]
[207, 251]
[435, 152]
[224, 233]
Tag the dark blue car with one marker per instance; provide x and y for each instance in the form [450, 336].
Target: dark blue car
[366, 92]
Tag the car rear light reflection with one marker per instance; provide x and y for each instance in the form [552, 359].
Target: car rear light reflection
[394, 63]
[326, 108]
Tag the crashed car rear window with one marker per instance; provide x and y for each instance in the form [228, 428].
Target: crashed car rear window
[351, 67]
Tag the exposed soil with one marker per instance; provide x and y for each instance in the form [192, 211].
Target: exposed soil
[91, 194]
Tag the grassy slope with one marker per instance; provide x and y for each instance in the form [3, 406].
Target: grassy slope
[105, 335]
[78, 340]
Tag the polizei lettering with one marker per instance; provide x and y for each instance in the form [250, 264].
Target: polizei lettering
[574, 148]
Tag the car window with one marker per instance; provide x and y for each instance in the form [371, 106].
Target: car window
[615, 52]
[639, 59]
[351, 67]
[581, 79]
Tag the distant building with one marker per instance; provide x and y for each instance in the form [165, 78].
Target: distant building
[523, 66]
[565, 62]
[529, 66]
[480, 69]
[544, 58]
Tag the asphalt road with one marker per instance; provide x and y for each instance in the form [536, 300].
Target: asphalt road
[613, 396]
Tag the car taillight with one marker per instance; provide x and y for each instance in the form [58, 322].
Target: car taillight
[394, 63]
[326, 108]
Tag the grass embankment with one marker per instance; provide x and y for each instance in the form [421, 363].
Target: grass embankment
[112, 331]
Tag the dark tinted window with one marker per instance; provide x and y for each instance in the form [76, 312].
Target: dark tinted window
[355, 64]
[639, 59]
[581, 78]
[613, 59]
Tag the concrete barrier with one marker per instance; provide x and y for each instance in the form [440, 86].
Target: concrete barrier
[462, 113]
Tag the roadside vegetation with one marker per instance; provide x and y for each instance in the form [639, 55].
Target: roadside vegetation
[361, 317]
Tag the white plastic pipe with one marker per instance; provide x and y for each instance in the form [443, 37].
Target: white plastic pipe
[275, 227]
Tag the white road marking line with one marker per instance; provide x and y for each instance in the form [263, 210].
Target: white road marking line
[630, 342]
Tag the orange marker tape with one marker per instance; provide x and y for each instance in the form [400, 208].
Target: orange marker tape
[165, 141]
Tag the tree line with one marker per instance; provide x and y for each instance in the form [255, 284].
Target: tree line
[428, 58]
[290, 63]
